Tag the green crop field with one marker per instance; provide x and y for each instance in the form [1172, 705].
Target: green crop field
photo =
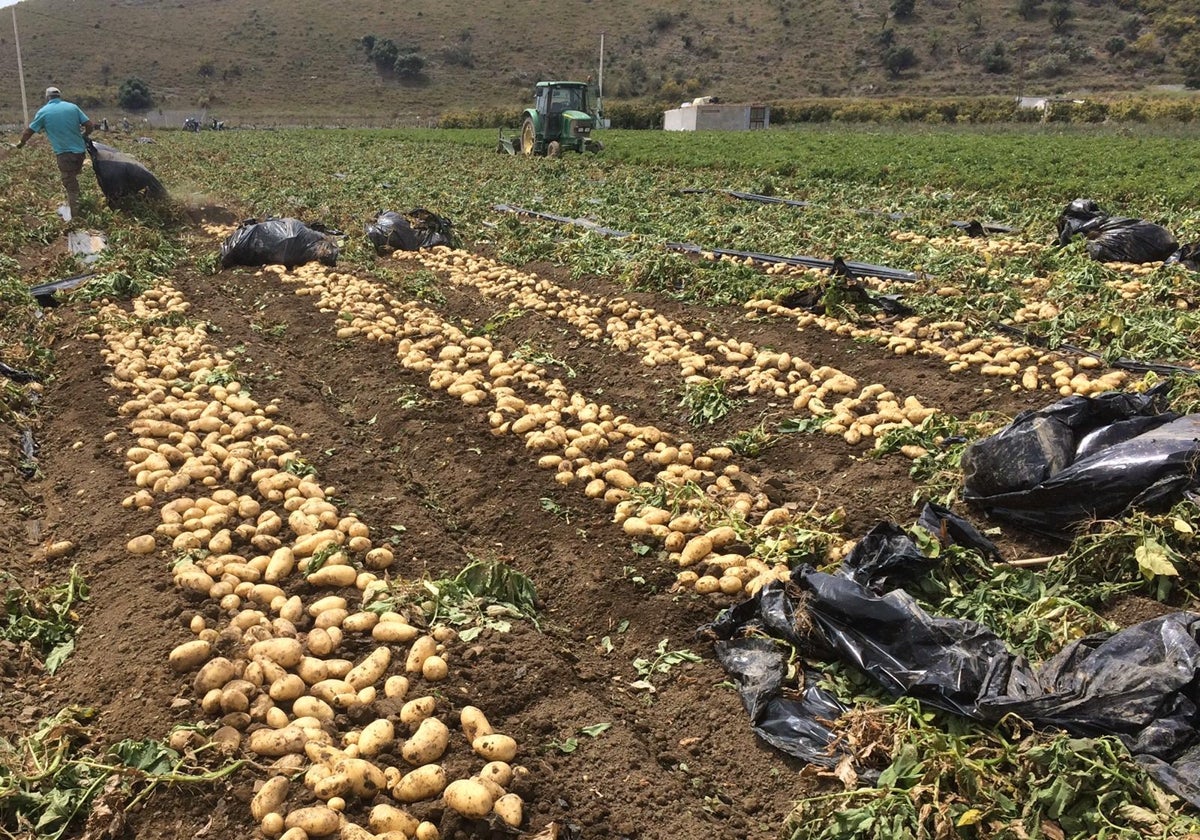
[626, 436]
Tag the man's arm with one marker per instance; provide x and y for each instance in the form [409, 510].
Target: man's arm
[88, 128]
[25, 135]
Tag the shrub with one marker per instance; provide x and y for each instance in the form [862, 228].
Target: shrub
[903, 9]
[995, 60]
[134, 95]
[409, 65]
[1049, 66]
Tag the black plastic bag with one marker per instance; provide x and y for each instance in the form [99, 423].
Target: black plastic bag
[1131, 241]
[1112, 239]
[1082, 458]
[1076, 218]
[121, 175]
[288, 242]
[420, 228]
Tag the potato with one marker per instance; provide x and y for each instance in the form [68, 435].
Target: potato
[396, 686]
[351, 831]
[416, 710]
[296, 833]
[422, 783]
[139, 545]
[317, 821]
[495, 747]
[427, 831]
[435, 669]
[276, 742]
[215, 673]
[499, 772]
[272, 824]
[370, 670]
[366, 779]
[386, 818]
[286, 653]
[427, 744]
[333, 576]
[474, 723]
[421, 649]
[469, 798]
[309, 706]
[286, 688]
[394, 632]
[510, 809]
[270, 797]
[377, 736]
[190, 655]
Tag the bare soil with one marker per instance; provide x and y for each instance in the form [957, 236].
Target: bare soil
[680, 762]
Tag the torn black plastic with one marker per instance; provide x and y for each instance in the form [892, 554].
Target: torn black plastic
[1141, 684]
[1083, 458]
[287, 242]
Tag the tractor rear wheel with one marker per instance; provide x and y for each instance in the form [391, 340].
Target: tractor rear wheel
[528, 138]
[553, 149]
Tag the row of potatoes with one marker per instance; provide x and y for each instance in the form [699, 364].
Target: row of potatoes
[585, 444]
[278, 669]
[662, 341]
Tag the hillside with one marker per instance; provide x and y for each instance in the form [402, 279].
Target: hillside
[281, 59]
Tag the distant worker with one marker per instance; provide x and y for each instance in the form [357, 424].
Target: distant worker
[61, 121]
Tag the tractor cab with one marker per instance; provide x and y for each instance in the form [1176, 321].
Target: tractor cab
[560, 120]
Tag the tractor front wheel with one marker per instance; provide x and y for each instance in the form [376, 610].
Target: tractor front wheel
[527, 137]
[553, 149]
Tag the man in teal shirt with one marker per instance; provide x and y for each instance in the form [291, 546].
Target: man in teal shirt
[62, 121]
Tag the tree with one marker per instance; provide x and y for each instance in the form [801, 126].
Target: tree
[134, 95]
[898, 59]
[1028, 9]
[1060, 12]
[903, 9]
[384, 54]
[1187, 56]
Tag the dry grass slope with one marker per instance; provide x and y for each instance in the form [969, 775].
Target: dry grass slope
[304, 59]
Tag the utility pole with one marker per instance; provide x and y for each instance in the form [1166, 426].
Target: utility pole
[20, 70]
[600, 89]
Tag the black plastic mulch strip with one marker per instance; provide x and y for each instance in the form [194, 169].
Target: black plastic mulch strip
[18, 375]
[1120, 364]
[860, 269]
[65, 284]
[975, 228]
[745, 196]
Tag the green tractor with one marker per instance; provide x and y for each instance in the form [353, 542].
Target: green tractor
[560, 120]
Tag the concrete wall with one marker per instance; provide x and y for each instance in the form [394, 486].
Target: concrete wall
[713, 118]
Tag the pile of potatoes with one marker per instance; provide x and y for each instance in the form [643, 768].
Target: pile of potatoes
[294, 654]
[583, 443]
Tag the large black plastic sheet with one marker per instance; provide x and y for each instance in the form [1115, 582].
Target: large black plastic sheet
[288, 242]
[121, 175]
[1083, 458]
[392, 231]
[1113, 239]
[1141, 684]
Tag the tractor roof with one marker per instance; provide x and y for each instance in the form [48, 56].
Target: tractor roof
[561, 84]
